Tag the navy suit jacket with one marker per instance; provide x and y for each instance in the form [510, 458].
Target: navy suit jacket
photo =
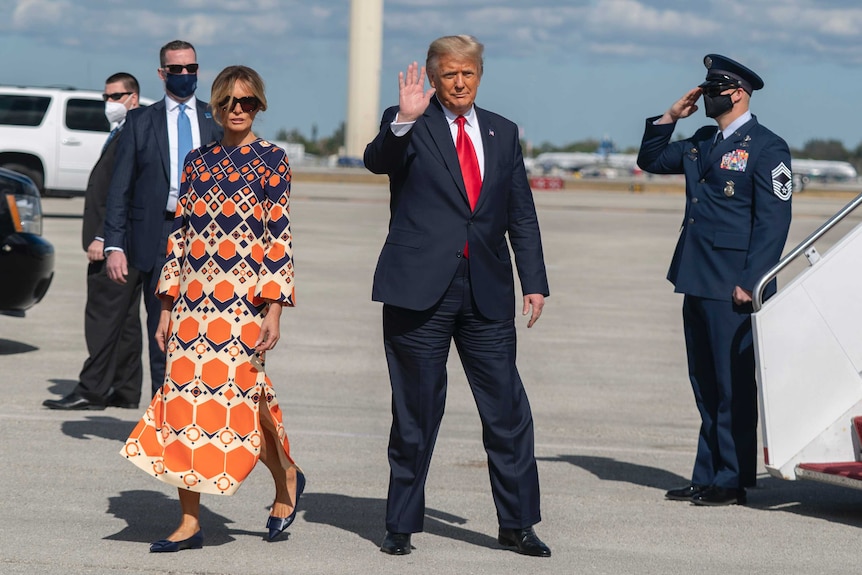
[737, 211]
[430, 217]
[140, 183]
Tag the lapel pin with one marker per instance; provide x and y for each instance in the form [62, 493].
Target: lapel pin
[490, 132]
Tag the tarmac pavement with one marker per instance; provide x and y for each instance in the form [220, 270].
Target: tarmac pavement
[615, 422]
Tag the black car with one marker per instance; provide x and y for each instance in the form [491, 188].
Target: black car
[26, 258]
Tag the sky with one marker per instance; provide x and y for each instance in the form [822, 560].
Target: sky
[563, 70]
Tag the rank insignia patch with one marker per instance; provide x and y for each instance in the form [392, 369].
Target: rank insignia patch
[736, 160]
[782, 181]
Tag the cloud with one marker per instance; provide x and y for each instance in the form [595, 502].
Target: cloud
[555, 29]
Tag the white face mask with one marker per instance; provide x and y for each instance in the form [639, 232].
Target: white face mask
[115, 111]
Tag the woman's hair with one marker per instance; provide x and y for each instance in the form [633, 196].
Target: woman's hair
[463, 45]
[223, 87]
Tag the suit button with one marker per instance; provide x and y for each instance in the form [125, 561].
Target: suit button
[694, 200]
[703, 181]
[691, 220]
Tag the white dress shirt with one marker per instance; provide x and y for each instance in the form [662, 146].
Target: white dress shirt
[471, 126]
[173, 109]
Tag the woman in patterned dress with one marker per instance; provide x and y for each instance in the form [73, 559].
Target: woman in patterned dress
[229, 273]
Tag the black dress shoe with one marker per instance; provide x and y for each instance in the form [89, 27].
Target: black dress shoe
[396, 544]
[716, 496]
[685, 493]
[526, 540]
[114, 401]
[73, 401]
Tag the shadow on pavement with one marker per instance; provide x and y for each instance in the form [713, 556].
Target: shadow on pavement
[806, 498]
[10, 347]
[365, 517]
[608, 469]
[151, 515]
[99, 426]
[62, 387]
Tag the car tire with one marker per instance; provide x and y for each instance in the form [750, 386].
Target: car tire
[29, 172]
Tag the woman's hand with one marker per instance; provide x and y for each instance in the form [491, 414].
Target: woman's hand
[162, 329]
[270, 330]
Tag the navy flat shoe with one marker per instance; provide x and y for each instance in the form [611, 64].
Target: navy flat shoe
[276, 525]
[196, 541]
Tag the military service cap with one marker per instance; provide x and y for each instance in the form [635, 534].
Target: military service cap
[721, 70]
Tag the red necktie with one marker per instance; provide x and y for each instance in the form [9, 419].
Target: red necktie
[469, 163]
[469, 167]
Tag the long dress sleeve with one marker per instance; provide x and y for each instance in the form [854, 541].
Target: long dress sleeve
[275, 280]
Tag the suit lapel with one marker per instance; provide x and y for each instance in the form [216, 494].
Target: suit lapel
[704, 153]
[160, 130]
[438, 127]
[205, 122]
[490, 151]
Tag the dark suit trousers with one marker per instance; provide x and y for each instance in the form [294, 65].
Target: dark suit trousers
[112, 329]
[150, 281]
[417, 346]
[721, 369]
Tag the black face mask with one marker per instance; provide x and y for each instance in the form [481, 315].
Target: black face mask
[715, 106]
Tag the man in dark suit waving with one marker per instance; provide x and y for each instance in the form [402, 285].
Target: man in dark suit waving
[112, 373]
[143, 195]
[458, 187]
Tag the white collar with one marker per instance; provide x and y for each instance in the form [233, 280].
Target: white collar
[172, 104]
[451, 116]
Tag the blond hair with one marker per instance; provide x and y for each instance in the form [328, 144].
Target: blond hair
[462, 45]
[223, 85]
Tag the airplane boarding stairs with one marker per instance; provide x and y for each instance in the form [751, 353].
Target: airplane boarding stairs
[808, 348]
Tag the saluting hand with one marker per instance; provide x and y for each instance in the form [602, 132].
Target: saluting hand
[682, 108]
[412, 96]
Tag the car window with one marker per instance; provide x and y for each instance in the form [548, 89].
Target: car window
[17, 110]
[87, 115]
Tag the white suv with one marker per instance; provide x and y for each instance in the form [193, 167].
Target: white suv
[52, 135]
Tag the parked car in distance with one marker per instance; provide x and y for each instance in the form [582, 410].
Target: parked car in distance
[26, 258]
[52, 135]
[349, 162]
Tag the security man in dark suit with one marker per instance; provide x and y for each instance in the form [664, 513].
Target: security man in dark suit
[737, 215]
[112, 374]
[142, 198]
[458, 187]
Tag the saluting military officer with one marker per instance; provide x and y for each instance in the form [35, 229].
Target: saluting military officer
[737, 214]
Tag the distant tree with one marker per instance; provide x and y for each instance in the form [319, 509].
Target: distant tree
[588, 145]
[824, 150]
[321, 147]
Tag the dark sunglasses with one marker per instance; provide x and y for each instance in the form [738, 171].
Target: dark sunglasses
[115, 96]
[248, 104]
[178, 68]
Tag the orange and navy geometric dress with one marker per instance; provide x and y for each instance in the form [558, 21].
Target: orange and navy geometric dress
[231, 248]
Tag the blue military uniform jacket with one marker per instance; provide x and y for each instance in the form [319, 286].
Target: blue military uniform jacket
[737, 211]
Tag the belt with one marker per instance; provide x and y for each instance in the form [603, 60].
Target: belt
[169, 216]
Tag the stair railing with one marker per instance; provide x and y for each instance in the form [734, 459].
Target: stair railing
[806, 248]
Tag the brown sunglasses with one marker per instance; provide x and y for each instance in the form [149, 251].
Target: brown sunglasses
[248, 104]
